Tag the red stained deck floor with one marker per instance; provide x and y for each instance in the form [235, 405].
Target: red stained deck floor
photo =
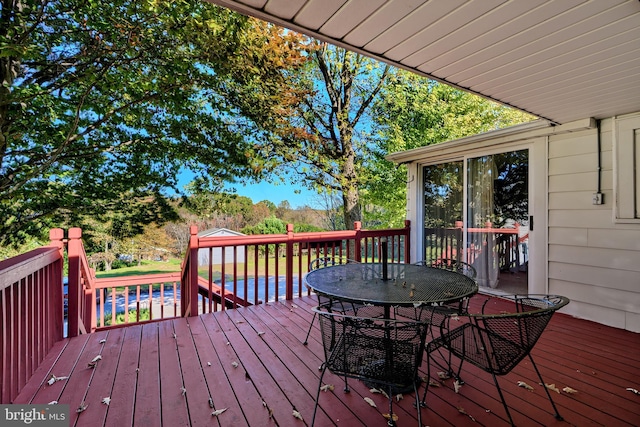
[167, 373]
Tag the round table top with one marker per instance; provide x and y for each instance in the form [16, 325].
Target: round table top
[407, 284]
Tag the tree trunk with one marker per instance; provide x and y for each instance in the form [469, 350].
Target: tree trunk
[350, 195]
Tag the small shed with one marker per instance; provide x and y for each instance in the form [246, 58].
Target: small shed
[203, 254]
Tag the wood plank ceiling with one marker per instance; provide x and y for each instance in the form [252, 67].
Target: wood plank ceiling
[561, 60]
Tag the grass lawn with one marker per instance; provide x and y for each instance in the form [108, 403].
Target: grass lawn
[173, 265]
[146, 267]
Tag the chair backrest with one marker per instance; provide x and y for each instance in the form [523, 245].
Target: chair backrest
[455, 265]
[383, 351]
[507, 338]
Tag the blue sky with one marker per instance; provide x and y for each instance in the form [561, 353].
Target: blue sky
[296, 195]
[277, 193]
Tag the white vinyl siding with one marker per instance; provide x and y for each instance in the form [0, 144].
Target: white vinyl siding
[593, 259]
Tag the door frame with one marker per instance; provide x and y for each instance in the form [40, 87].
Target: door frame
[538, 190]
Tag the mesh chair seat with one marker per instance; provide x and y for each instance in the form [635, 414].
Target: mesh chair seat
[496, 343]
[384, 352]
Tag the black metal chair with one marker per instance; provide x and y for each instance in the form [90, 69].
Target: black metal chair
[437, 314]
[385, 353]
[496, 343]
[324, 302]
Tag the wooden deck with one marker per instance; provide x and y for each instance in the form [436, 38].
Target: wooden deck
[165, 373]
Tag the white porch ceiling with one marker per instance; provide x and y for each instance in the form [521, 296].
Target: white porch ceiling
[561, 60]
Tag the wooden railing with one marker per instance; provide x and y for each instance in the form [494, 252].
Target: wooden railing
[448, 243]
[31, 311]
[250, 270]
[120, 301]
[254, 269]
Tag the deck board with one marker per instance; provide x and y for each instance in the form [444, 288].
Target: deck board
[145, 367]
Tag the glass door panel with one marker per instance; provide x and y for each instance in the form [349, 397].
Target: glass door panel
[443, 197]
[497, 219]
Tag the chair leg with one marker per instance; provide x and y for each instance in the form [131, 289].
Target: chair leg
[391, 422]
[415, 391]
[557, 414]
[306, 339]
[422, 403]
[506, 408]
[315, 407]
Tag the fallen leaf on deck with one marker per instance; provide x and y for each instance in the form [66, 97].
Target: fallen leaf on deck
[218, 412]
[174, 336]
[102, 341]
[387, 416]
[183, 391]
[294, 306]
[433, 383]
[106, 400]
[374, 390]
[53, 402]
[552, 387]
[370, 401]
[384, 393]
[211, 403]
[443, 375]
[462, 411]
[260, 333]
[633, 390]
[208, 363]
[569, 390]
[53, 379]
[327, 387]
[297, 415]
[399, 397]
[234, 364]
[457, 386]
[94, 361]
[525, 385]
[82, 407]
[239, 321]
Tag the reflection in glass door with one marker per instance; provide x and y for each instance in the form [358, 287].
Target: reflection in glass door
[497, 229]
[443, 190]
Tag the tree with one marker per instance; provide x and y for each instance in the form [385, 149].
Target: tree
[103, 103]
[412, 112]
[322, 139]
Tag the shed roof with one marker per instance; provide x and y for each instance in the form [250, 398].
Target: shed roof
[219, 232]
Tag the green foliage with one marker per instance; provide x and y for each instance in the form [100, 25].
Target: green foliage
[144, 315]
[103, 103]
[270, 225]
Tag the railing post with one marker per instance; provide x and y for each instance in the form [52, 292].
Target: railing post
[74, 286]
[193, 271]
[56, 238]
[289, 262]
[357, 226]
[407, 242]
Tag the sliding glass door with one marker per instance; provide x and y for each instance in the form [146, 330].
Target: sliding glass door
[481, 218]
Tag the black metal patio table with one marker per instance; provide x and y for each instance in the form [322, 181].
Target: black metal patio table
[405, 285]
